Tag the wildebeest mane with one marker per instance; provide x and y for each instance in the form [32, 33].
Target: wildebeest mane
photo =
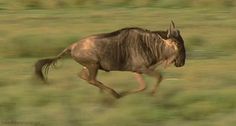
[117, 32]
[163, 34]
[126, 45]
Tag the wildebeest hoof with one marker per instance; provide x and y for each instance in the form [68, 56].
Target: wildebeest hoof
[124, 93]
[152, 93]
[117, 96]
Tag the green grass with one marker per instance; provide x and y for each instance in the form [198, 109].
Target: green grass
[202, 93]
[55, 4]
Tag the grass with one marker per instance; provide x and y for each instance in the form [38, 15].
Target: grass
[55, 4]
[198, 97]
[201, 93]
[21, 31]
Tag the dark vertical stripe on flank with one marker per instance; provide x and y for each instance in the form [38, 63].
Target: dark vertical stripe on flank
[122, 44]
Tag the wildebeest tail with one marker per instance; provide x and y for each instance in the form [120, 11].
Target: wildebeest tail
[42, 66]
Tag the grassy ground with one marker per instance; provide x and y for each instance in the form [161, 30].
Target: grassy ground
[202, 93]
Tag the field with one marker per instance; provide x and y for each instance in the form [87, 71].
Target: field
[202, 93]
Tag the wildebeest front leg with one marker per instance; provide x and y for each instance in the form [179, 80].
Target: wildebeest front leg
[142, 85]
[93, 69]
[159, 78]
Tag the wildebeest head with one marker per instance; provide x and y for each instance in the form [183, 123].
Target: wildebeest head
[174, 35]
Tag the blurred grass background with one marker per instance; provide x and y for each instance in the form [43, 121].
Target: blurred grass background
[202, 93]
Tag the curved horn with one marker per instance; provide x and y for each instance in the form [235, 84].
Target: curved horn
[169, 31]
[172, 23]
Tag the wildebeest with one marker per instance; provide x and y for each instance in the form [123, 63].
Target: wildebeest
[129, 49]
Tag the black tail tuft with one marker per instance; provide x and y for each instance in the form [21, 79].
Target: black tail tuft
[42, 67]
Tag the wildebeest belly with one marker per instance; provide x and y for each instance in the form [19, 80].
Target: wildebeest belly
[129, 63]
[108, 63]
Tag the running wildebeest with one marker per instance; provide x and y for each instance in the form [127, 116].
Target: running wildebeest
[129, 49]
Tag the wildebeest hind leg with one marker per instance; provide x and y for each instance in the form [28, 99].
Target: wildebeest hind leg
[93, 69]
[84, 74]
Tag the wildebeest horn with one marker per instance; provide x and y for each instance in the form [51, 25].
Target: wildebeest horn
[172, 23]
[169, 31]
